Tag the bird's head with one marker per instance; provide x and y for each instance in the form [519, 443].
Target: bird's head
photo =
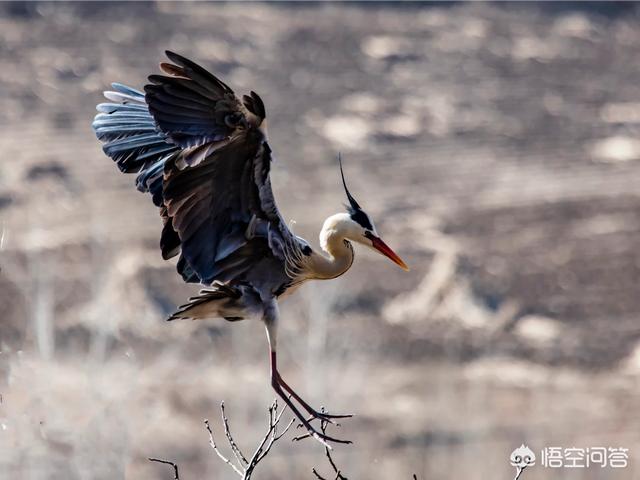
[359, 228]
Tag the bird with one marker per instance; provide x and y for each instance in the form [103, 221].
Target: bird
[203, 154]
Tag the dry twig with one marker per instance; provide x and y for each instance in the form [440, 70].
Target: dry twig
[337, 473]
[242, 467]
[175, 467]
[327, 451]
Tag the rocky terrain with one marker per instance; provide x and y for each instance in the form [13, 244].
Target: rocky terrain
[495, 145]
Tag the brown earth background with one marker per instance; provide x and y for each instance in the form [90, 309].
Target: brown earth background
[495, 145]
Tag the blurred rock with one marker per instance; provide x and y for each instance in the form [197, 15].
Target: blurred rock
[538, 330]
[616, 149]
[347, 131]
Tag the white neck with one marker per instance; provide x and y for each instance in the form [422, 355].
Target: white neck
[333, 241]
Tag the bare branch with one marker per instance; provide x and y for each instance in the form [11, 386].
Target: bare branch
[234, 447]
[245, 467]
[212, 442]
[166, 462]
[318, 476]
[286, 429]
[271, 436]
[327, 451]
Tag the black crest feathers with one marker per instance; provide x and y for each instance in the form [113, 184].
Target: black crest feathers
[355, 211]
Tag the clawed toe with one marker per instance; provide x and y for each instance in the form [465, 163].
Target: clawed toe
[326, 417]
[321, 437]
[280, 386]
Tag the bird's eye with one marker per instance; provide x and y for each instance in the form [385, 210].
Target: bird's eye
[368, 234]
[232, 120]
[517, 459]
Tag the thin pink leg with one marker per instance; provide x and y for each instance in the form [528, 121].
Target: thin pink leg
[277, 383]
[312, 411]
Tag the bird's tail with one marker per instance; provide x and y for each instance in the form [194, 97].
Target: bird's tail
[220, 300]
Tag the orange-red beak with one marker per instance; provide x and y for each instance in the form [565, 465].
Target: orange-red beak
[383, 248]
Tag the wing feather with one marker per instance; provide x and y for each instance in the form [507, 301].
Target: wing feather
[201, 153]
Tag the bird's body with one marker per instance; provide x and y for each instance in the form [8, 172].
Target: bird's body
[336, 259]
[203, 155]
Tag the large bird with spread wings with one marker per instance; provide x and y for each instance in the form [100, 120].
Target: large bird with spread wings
[204, 156]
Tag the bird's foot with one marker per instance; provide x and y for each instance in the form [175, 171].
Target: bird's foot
[318, 434]
[280, 386]
[314, 414]
[321, 435]
[326, 417]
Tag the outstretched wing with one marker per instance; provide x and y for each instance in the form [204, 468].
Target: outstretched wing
[207, 166]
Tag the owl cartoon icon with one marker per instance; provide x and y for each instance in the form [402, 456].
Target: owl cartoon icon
[521, 458]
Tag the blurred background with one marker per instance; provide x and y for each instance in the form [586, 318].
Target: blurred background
[495, 145]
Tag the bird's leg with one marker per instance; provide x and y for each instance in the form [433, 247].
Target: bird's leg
[270, 320]
[312, 411]
[276, 384]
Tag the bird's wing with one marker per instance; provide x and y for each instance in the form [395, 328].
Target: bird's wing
[210, 175]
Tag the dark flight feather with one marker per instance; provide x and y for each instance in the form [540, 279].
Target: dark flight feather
[202, 157]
